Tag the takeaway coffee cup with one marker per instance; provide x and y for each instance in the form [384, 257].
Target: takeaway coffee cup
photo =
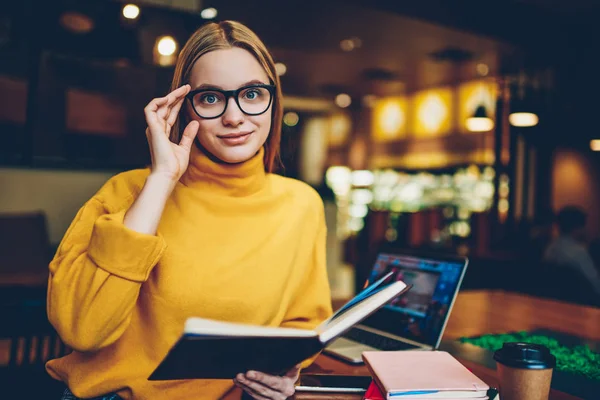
[524, 371]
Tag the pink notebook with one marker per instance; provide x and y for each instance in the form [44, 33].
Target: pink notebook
[410, 375]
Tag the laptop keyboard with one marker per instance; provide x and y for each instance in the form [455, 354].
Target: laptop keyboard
[377, 341]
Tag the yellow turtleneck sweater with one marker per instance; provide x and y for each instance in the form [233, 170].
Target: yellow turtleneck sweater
[234, 244]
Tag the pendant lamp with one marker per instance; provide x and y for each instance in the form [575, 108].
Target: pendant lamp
[480, 122]
[521, 114]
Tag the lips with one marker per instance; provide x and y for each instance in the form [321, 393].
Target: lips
[234, 135]
[236, 138]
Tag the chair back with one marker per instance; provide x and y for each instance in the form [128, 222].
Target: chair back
[24, 248]
[33, 340]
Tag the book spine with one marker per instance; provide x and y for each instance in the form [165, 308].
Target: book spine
[377, 381]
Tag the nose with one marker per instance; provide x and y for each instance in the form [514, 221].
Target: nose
[233, 116]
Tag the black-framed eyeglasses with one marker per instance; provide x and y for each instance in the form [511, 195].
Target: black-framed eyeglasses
[210, 103]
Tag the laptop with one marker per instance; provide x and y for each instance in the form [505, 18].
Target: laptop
[413, 321]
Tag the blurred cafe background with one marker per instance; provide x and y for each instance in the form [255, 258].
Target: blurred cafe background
[450, 126]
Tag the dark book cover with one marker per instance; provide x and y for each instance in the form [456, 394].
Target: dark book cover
[206, 357]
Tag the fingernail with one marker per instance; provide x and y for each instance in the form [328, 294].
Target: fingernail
[251, 375]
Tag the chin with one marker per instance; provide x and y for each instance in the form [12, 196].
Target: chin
[237, 155]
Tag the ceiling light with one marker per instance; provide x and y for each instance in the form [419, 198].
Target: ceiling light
[280, 68]
[347, 45]
[521, 113]
[480, 122]
[595, 145]
[523, 119]
[166, 46]
[208, 13]
[343, 100]
[350, 44]
[291, 118]
[482, 69]
[131, 11]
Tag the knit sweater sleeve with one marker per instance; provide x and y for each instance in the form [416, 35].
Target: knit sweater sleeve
[97, 272]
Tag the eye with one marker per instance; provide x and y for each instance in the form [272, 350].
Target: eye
[209, 98]
[252, 94]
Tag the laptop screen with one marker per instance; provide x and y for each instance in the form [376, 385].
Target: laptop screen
[421, 313]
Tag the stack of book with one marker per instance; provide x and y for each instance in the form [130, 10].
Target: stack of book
[421, 375]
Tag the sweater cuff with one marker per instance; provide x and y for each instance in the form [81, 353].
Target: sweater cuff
[122, 251]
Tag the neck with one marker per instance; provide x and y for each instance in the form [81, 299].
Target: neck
[207, 172]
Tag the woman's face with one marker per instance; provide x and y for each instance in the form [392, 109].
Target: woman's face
[233, 137]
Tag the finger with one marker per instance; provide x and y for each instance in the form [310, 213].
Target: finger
[149, 138]
[177, 94]
[275, 383]
[150, 111]
[267, 390]
[156, 103]
[174, 111]
[182, 89]
[293, 373]
[251, 391]
[189, 134]
[172, 98]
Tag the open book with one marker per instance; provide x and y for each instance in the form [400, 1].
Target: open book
[211, 349]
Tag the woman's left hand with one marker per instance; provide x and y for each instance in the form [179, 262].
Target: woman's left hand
[268, 387]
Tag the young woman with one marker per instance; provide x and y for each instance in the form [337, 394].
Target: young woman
[206, 231]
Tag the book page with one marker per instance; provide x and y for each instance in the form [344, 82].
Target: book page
[368, 291]
[360, 310]
[208, 327]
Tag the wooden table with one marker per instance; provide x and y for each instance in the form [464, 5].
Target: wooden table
[480, 312]
[28, 279]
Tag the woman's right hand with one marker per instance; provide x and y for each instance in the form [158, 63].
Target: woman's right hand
[169, 160]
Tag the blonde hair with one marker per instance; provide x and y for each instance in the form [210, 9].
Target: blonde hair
[224, 35]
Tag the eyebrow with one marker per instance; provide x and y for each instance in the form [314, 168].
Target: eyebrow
[209, 86]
